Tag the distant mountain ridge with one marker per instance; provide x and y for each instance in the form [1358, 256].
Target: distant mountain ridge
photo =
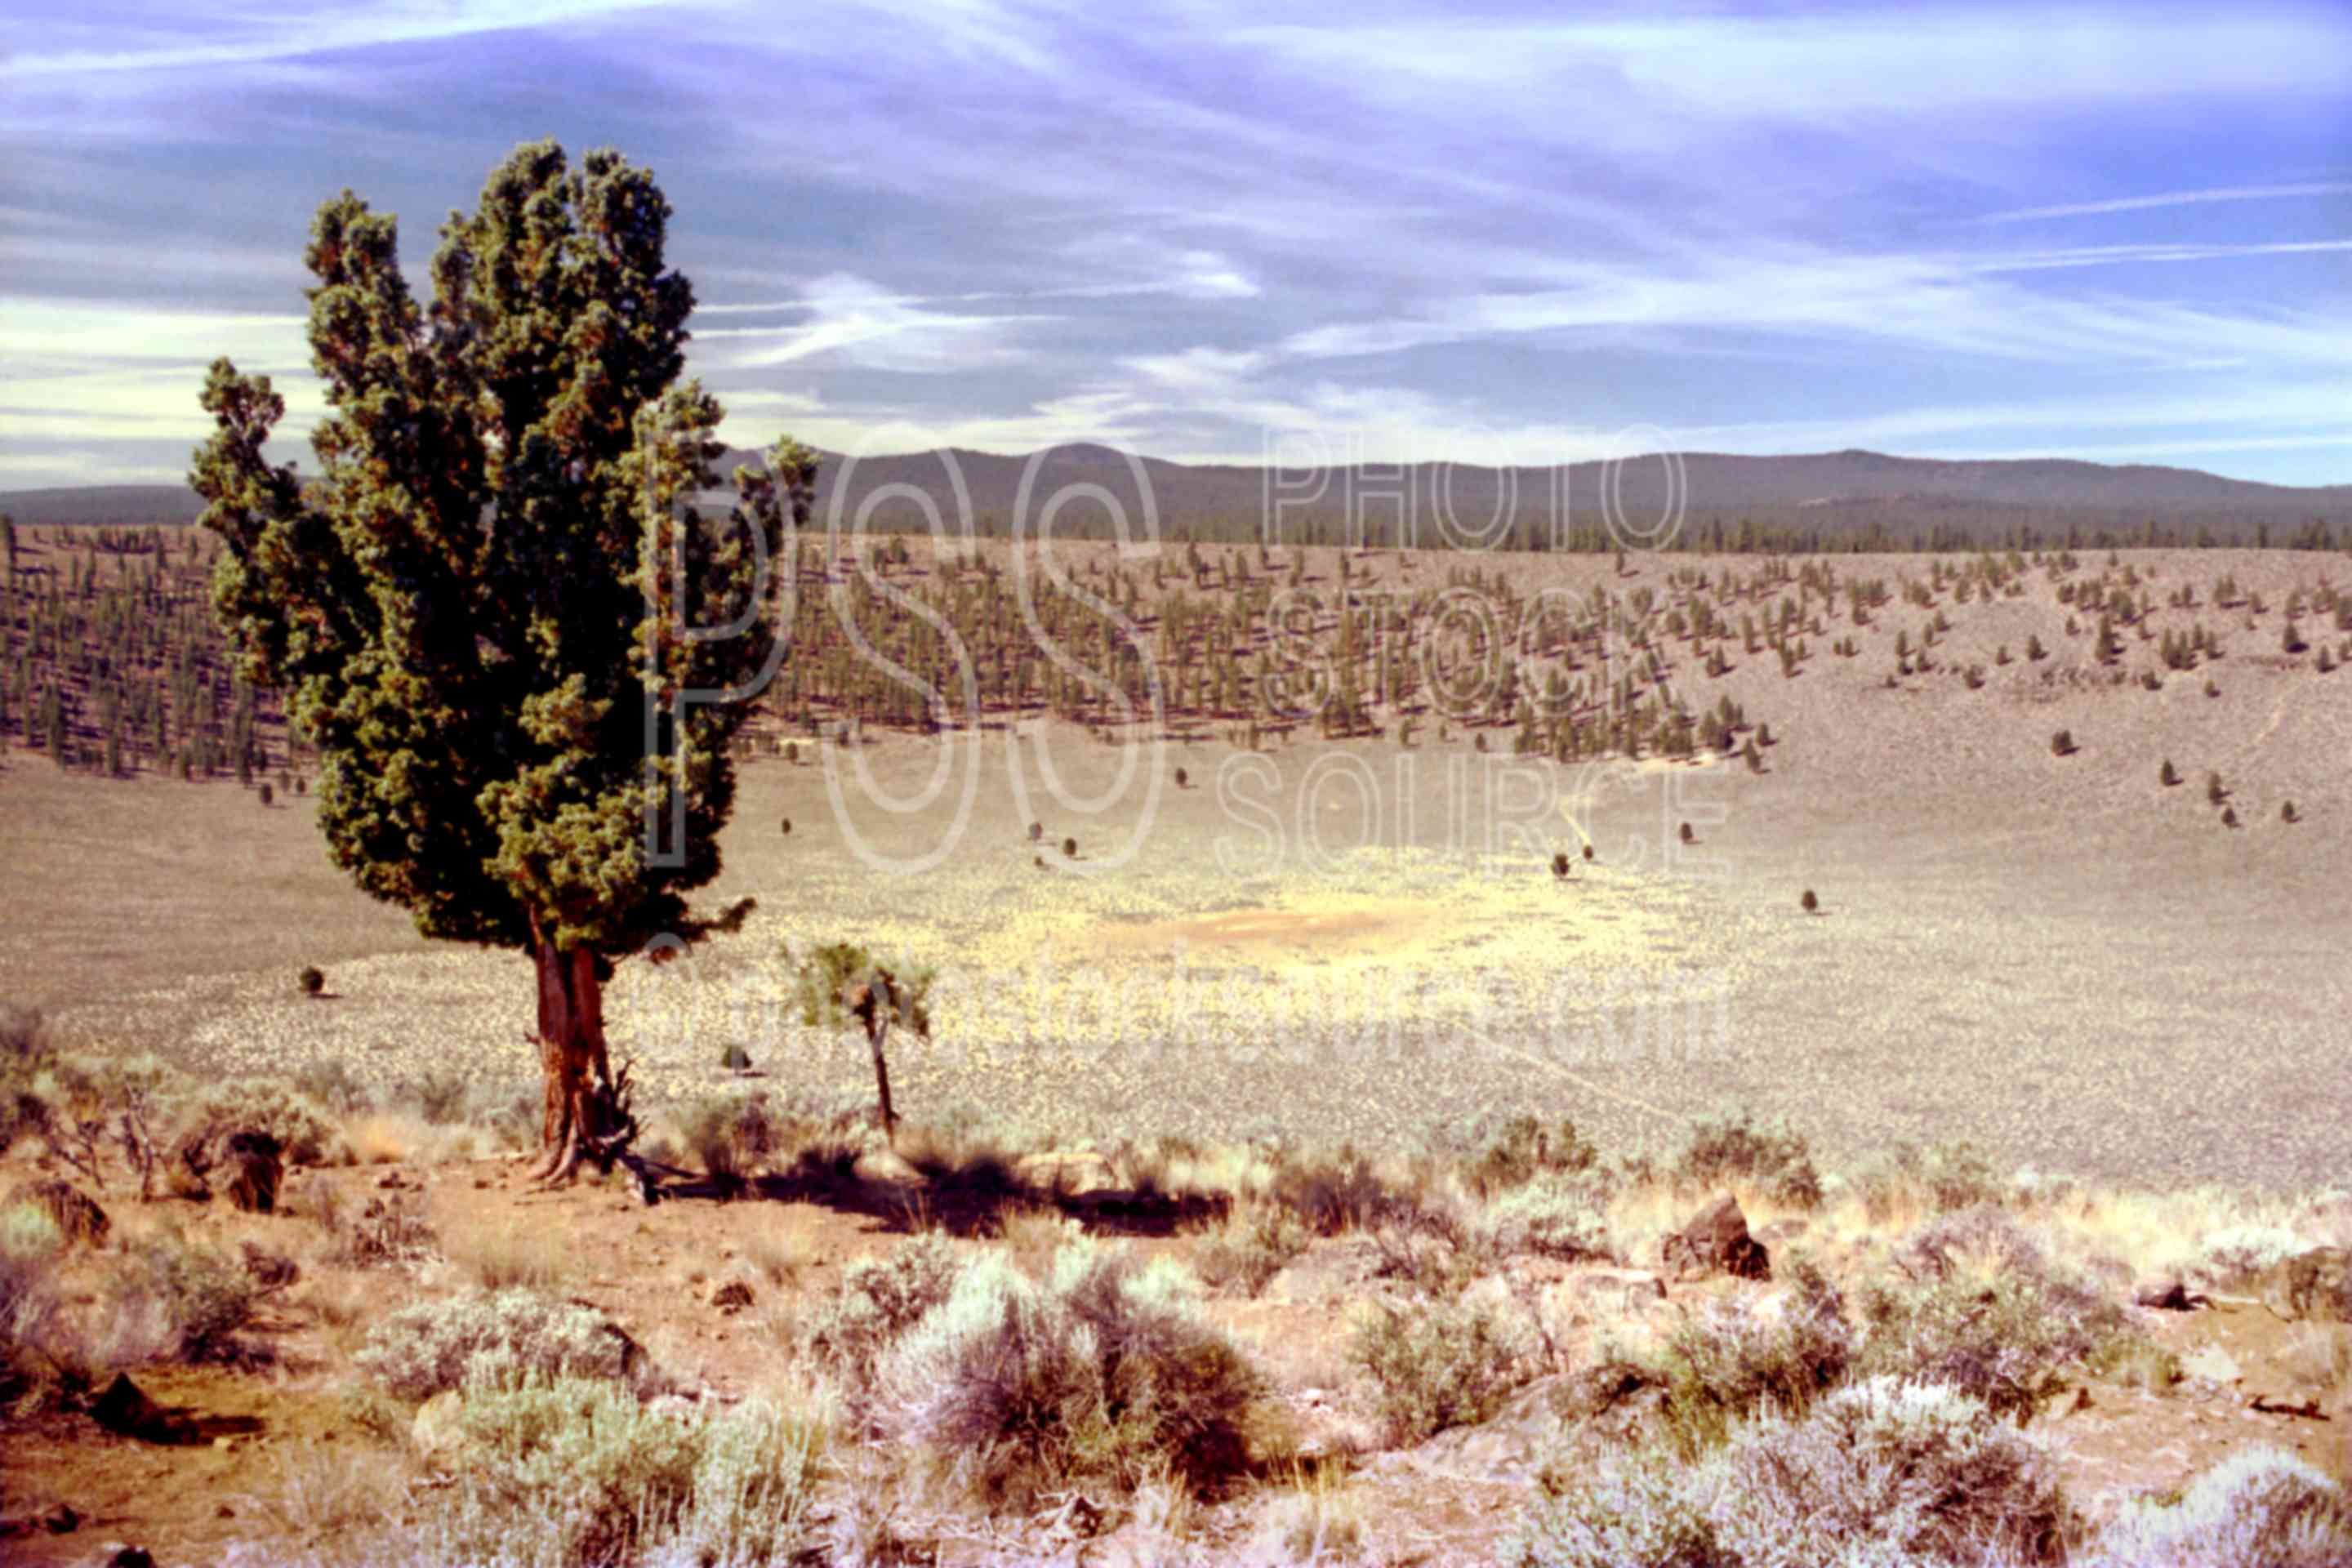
[1837, 491]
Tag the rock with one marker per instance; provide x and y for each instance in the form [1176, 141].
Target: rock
[77, 1217]
[438, 1429]
[1715, 1241]
[2213, 1363]
[58, 1521]
[255, 1171]
[2311, 1287]
[730, 1296]
[2168, 1294]
[1070, 1174]
[123, 1407]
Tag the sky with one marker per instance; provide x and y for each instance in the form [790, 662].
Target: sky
[1208, 232]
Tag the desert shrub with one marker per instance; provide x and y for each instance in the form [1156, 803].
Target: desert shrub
[2286, 812]
[2062, 743]
[1252, 1247]
[575, 1471]
[1643, 1511]
[1338, 1191]
[735, 1058]
[1773, 1161]
[880, 1299]
[1560, 863]
[2215, 791]
[1437, 1364]
[1494, 1151]
[312, 980]
[2235, 1254]
[504, 1337]
[2002, 1336]
[383, 1232]
[1919, 1472]
[1551, 1217]
[306, 1131]
[176, 1301]
[1882, 1475]
[1727, 1363]
[30, 1244]
[1940, 1178]
[2258, 1508]
[1982, 1231]
[439, 1097]
[1069, 848]
[334, 1087]
[1809, 901]
[1107, 1372]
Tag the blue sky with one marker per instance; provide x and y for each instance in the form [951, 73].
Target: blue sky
[1529, 234]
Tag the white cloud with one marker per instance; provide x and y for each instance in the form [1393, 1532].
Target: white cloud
[2173, 199]
[852, 321]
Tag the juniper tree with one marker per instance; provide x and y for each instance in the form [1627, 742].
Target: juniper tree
[486, 610]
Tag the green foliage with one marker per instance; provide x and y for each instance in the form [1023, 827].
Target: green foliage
[827, 984]
[478, 698]
[1775, 1161]
[1437, 1364]
[1108, 1371]
[499, 1338]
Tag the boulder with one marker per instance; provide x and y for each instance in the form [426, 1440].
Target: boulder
[123, 1407]
[77, 1215]
[2311, 1287]
[255, 1171]
[2168, 1294]
[1715, 1241]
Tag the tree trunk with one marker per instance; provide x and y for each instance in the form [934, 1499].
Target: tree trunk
[881, 1033]
[572, 1060]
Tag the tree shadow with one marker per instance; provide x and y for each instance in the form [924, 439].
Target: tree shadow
[971, 1197]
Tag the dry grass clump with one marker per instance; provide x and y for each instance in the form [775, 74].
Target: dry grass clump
[1910, 1179]
[1104, 1373]
[510, 1259]
[1250, 1245]
[504, 1338]
[385, 1231]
